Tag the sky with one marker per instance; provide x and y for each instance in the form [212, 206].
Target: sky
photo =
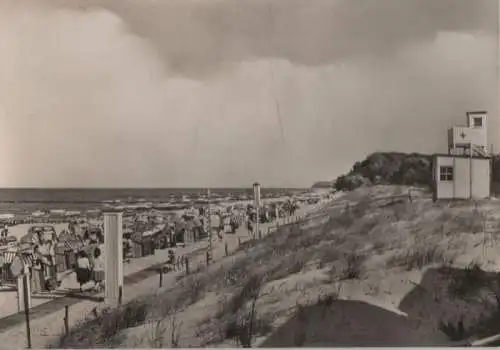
[223, 93]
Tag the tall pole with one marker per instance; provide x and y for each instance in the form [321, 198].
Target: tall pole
[209, 222]
[470, 169]
[26, 296]
[256, 194]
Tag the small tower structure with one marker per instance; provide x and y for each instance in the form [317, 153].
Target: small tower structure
[471, 139]
[465, 171]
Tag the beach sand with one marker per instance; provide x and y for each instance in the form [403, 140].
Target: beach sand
[48, 328]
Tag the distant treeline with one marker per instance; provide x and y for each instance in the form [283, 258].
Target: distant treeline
[393, 168]
[323, 184]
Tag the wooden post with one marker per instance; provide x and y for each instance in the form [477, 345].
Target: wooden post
[66, 319]
[260, 234]
[208, 258]
[187, 266]
[226, 249]
[120, 295]
[161, 277]
[27, 309]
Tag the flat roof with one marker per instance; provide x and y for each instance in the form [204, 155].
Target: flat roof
[477, 112]
[446, 155]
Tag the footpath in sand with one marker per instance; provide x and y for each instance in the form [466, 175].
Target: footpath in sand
[140, 278]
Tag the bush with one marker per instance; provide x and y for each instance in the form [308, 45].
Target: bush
[128, 316]
[354, 267]
[103, 329]
[468, 282]
[418, 258]
[351, 267]
[388, 168]
[241, 322]
[454, 332]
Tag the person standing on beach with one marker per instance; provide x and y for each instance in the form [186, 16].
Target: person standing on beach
[38, 276]
[98, 269]
[249, 227]
[83, 269]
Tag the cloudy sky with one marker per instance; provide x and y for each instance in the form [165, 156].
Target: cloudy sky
[171, 93]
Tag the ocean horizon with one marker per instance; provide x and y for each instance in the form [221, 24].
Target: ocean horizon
[27, 200]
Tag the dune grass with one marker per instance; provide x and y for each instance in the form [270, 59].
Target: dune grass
[365, 231]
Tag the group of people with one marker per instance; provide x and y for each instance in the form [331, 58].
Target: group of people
[90, 269]
[268, 214]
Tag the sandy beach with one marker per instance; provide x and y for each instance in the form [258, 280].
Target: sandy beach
[46, 329]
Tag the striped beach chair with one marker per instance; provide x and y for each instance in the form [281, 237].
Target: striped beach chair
[8, 256]
[27, 258]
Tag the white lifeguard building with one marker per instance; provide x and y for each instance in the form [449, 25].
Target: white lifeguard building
[465, 171]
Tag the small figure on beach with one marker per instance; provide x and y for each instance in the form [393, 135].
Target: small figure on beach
[249, 227]
[98, 269]
[171, 257]
[179, 263]
[37, 272]
[83, 269]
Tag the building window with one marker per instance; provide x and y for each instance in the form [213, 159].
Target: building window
[478, 122]
[446, 173]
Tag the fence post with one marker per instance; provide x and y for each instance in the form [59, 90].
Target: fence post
[226, 249]
[120, 295]
[26, 297]
[66, 319]
[161, 276]
[260, 234]
[187, 266]
[208, 258]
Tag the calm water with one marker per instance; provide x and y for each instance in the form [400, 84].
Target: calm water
[29, 200]
[99, 195]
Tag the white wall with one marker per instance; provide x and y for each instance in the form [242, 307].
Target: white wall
[113, 258]
[460, 186]
[481, 178]
[476, 136]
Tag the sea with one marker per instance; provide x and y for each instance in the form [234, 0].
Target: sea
[21, 201]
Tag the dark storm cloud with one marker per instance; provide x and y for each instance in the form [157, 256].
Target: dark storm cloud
[111, 85]
[197, 36]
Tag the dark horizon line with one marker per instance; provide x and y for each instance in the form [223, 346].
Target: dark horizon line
[147, 188]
